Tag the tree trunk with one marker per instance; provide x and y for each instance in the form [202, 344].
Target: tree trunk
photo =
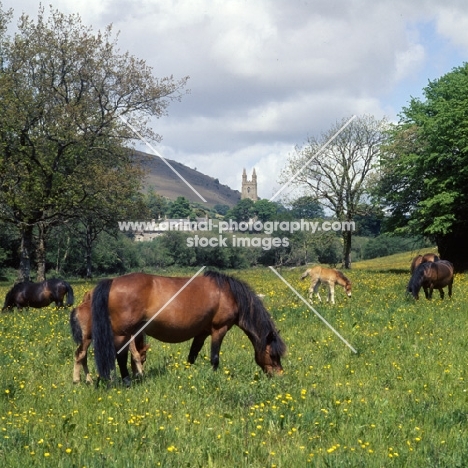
[41, 253]
[89, 251]
[454, 248]
[347, 243]
[64, 258]
[25, 253]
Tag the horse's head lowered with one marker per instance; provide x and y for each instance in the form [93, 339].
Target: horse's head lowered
[269, 359]
[348, 288]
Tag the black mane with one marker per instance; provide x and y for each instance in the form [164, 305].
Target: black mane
[254, 319]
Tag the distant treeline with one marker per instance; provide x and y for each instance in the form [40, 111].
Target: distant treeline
[114, 252]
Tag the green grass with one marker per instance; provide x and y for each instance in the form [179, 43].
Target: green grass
[401, 401]
[399, 262]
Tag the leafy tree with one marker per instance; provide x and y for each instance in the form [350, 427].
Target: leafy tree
[370, 223]
[175, 242]
[307, 247]
[337, 167]
[9, 243]
[265, 210]
[425, 167]
[156, 203]
[386, 244]
[307, 207]
[63, 90]
[243, 211]
[153, 254]
[380, 246]
[282, 211]
[3, 256]
[180, 208]
[331, 253]
[90, 226]
[221, 209]
[116, 254]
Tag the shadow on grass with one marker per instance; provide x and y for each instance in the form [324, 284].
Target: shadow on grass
[396, 271]
[154, 373]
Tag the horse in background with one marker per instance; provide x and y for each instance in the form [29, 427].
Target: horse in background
[174, 310]
[81, 327]
[430, 276]
[28, 294]
[329, 276]
[428, 257]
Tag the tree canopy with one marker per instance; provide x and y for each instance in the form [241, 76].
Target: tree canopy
[424, 166]
[243, 211]
[180, 208]
[307, 207]
[336, 168]
[63, 91]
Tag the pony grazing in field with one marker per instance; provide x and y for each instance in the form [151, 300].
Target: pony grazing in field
[430, 276]
[428, 257]
[174, 310]
[329, 276]
[39, 295]
[81, 326]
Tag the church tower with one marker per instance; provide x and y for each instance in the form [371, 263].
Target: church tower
[249, 187]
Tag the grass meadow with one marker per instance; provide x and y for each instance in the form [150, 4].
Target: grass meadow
[401, 401]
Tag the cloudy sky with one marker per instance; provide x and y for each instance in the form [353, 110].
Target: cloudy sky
[267, 74]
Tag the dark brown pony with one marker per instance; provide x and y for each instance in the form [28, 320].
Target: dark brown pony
[209, 305]
[430, 276]
[81, 326]
[39, 295]
[428, 257]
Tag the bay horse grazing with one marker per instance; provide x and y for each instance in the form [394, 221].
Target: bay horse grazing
[28, 294]
[329, 276]
[81, 327]
[209, 305]
[428, 257]
[430, 276]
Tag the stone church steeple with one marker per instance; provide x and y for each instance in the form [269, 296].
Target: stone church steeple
[249, 187]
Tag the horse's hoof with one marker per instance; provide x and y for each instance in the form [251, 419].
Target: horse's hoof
[127, 381]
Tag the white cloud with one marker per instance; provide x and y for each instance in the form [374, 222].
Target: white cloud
[409, 61]
[266, 74]
[452, 23]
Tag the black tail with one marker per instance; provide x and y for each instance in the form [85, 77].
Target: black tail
[70, 295]
[103, 336]
[75, 328]
[8, 300]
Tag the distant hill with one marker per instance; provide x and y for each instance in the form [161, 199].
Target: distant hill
[168, 184]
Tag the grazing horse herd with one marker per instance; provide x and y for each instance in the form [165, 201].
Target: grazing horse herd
[118, 313]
